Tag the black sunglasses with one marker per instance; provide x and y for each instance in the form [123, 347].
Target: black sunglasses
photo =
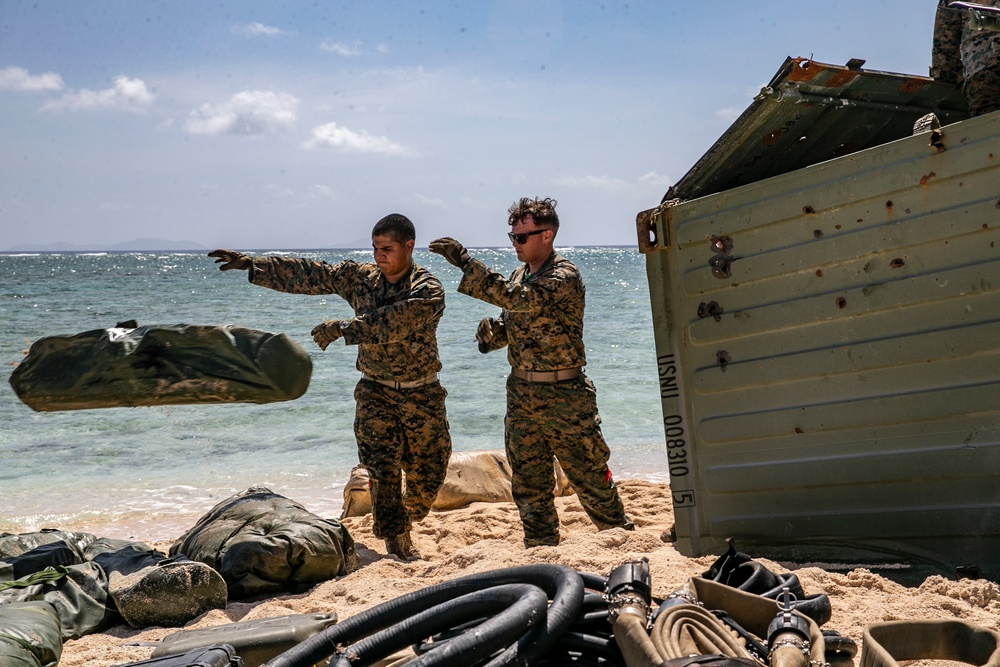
[521, 239]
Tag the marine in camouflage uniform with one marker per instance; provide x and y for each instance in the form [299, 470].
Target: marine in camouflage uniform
[551, 404]
[966, 56]
[400, 421]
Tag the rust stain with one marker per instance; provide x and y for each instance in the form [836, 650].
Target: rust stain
[841, 79]
[772, 138]
[911, 86]
[803, 70]
[925, 179]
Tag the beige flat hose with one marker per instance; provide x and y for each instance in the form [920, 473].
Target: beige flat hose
[884, 644]
[688, 629]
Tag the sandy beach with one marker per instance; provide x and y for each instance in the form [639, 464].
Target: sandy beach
[487, 536]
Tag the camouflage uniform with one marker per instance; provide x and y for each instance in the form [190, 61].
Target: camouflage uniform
[542, 327]
[395, 329]
[967, 57]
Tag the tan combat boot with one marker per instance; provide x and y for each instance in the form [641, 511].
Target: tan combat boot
[401, 545]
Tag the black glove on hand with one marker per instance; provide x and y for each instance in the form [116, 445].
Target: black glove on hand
[484, 334]
[326, 333]
[451, 250]
[231, 259]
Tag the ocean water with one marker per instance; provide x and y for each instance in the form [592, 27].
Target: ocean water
[150, 472]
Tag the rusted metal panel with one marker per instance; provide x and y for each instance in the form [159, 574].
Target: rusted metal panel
[829, 354]
[811, 112]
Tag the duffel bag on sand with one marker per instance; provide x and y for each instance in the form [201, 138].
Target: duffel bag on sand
[263, 544]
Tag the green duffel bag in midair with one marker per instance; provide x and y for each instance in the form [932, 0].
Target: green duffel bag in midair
[263, 543]
[30, 635]
[128, 366]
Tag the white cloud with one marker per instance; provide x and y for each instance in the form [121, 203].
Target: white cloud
[341, 49]
[281, 191]
[323, 192]
[431, 201]
[340, 138]
[593, 183]
[729, 113]
[653, 178]
[18, 78]
[382, 48]
[247, 113]
[257, 29]
[126, 95]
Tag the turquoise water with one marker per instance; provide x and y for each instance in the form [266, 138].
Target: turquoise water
[148, 472]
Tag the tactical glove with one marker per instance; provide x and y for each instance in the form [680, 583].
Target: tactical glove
[326, 333]
[231, 259]
[485, 332]
[451, 250]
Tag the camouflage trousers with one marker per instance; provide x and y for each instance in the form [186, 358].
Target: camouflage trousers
[983, 91]
[401, 430]
[558, 419]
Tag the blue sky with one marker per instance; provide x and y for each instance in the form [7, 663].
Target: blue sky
[289, 124]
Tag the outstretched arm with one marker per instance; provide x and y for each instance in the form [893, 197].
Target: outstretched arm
[231, 259]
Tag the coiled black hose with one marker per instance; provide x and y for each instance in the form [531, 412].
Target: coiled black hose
[511, 610]
[562, 585]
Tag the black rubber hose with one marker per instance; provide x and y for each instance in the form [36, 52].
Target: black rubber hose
[594, 646]
[594, 582]
[510, 609]
[592, 620]
[563, 586]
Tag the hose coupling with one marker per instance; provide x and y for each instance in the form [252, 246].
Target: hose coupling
[628, 590]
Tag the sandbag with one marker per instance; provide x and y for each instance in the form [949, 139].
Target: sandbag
[79, 594]
[478, 476]
[148, 588]
[263, 544]
[128, 366]
[30, 635]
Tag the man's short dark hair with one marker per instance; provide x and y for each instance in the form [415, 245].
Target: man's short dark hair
[543, 211]
[396, 225]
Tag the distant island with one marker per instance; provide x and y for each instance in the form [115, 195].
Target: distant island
[136, 245]
[142, 245]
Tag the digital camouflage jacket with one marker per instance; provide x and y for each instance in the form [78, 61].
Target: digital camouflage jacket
[395, 324]
[542, 319]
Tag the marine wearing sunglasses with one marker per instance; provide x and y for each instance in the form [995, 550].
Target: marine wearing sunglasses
[523, 238]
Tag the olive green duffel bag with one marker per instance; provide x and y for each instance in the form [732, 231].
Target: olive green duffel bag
[128, 366]
[30, 635]
[263, 544]
[79, 594]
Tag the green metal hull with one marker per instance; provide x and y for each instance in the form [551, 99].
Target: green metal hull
[828, 342]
